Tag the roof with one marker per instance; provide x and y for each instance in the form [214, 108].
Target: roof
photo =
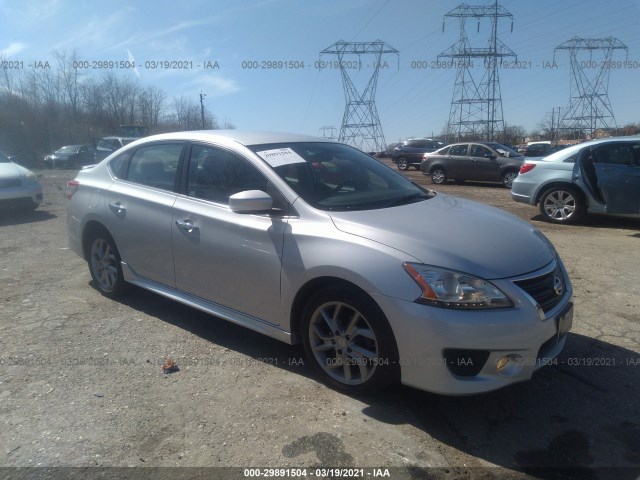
[241, 137]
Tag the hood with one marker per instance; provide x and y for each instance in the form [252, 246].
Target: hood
[9, 171]
[454, 233]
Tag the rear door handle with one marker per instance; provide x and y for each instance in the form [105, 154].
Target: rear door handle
[118, 208]
[187, 225]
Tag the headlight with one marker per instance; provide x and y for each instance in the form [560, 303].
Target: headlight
[30, 176]
[451, 289]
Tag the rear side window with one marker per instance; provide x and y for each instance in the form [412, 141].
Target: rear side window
[458, 150]
[155, 165]
[617, 154]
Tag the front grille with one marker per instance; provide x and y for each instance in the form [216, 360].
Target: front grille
[547, 290]
[11, 182]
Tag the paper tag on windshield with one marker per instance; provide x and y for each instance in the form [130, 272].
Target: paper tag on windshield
[280, 156]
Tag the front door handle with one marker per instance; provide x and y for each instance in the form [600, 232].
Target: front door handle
[187, 225]
[118, 208]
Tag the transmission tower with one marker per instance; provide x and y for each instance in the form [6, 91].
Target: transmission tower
[360, 124]
[476, 106]
[328, 128]
[589, 107]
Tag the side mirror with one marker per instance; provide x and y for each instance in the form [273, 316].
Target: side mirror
[490, 156]
[250, 201]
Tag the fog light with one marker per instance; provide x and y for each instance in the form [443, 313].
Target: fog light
[510, 365]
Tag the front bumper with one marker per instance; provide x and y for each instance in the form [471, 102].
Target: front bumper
[436, 345]
[28, 193]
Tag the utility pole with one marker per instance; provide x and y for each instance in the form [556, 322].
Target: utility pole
[202, 95]
[589, 107]
[360, 123]
[476, 106]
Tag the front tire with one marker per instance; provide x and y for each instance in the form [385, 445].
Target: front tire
[348, 341]
[403, 164]
[104, 264]
[561, 205]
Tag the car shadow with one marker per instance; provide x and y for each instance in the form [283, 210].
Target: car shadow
[18, 217]
[576, 419]
[596, 221]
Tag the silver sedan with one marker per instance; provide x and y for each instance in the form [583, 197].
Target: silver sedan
[19, 186]
[312, 241]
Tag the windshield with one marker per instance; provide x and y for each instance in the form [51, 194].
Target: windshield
[68, 149]
[333, 176]
[109, 144]
[4, 159]
[503, 150]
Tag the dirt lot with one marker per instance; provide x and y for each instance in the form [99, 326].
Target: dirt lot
[81, 382]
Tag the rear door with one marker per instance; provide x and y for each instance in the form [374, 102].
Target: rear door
[140, 206]
[617, 169]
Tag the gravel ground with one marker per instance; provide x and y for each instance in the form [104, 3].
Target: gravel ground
[81, 382]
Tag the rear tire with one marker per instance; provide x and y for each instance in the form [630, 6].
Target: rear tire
[561, 205]
[403, 164]
[105, 264]
[348, 341]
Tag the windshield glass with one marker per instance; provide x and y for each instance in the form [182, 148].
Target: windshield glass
[333, 176]
[3, 159]
[503, 150]
[68, 149]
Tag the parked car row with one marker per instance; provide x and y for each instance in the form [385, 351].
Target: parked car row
[77, 156]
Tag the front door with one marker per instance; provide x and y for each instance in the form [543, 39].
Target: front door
[232, 259]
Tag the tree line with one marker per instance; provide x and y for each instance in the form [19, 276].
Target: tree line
[42, 109]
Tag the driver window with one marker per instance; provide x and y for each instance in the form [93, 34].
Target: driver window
[479, 151]
[458, 150]
[215, 175]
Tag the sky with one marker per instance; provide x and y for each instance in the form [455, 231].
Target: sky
[413, 94]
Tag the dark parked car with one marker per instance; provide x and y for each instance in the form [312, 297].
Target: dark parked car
[491, 162]
[411, 151]
[71, 156]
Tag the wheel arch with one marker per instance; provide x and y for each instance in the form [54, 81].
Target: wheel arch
[89, 229]
[308, 289]
[559, 184]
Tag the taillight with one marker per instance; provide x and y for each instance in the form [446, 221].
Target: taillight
[527, 167]
[72, 186]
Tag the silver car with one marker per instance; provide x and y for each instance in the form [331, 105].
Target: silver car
[19, 186]
[312, 241]
[601, 176]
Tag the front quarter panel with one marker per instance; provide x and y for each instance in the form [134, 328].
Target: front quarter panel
[314, 248]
